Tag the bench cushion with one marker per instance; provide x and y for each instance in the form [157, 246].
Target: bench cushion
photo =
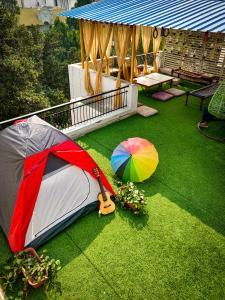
[162, 96]
[146, 111]
[175, 92]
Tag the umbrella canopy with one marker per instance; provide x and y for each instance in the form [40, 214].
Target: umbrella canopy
[134, 160]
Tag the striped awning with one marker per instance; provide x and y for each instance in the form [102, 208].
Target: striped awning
[202, 15]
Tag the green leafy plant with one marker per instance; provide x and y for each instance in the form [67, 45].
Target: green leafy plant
[129, 196]
[25, 270]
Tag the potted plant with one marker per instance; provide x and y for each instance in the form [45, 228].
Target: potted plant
[35, 270]
[129, 196]
[27, 268]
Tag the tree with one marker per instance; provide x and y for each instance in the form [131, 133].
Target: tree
[56, 96]
[20, 64]
[20, 91]
[83, 2]
[34, 64]
[61, 49]
[8, 19]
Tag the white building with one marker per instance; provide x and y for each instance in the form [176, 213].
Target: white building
[66, 4]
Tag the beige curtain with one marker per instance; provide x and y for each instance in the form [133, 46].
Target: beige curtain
[104, 32]
[156, 45]
[88, 35]
[122, 36]
[94, 48]
[108, 52]
[146, 34]
[137, 37]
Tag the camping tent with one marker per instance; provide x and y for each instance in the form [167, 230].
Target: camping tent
[47, 182]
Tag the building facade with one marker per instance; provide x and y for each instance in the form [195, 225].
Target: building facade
[65, 4]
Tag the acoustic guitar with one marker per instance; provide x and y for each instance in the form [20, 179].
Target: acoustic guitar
[107, 206]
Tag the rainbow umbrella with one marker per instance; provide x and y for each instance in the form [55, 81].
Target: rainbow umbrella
[134, 160]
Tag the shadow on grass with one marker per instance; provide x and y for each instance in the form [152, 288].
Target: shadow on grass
[136, 221]
[190, 165]
[197, 209]
[65, 246]
[72, 242]
[215, 131]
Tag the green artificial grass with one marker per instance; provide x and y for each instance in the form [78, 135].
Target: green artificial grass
[177, 250]
[215, 131]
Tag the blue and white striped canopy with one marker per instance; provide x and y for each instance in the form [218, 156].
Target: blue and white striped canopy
[202, 15]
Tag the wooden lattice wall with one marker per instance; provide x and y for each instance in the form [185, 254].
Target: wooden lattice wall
[193, 51]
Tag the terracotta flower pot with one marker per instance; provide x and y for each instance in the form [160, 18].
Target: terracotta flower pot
[35, 284]
[132, 206]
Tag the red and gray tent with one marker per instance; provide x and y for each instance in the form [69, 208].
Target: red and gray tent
[47, 182]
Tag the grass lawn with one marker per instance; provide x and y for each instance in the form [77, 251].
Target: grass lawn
[176, 251]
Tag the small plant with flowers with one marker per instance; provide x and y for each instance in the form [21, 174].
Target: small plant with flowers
[129, 196]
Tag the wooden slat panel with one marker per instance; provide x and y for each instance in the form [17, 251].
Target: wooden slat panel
[189, 51]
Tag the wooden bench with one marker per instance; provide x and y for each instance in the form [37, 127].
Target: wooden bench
[194, 76]
[203, 93]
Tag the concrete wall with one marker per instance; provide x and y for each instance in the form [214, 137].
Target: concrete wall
[51, 3]
[30, 16]
[77, 85]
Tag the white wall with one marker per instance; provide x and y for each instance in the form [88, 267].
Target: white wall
[30, 3]
[72, 3]
[60, 3]
[77, 85]
[77, 90]
[50, 3]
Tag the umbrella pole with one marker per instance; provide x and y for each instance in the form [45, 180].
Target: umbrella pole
[133, 54]
[81, 43]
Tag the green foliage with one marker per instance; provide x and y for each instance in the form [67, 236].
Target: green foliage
[61, 49]
[8, 19]
[20, 92]
[31, 100]
[128, 195]
[29, 42]
[56, 96]
[34, 64]
[22, 268]
[83, 2]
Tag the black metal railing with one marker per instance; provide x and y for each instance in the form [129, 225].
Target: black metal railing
[140, 60]
[79, 111]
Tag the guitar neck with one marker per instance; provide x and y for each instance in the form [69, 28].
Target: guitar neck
[102, 188]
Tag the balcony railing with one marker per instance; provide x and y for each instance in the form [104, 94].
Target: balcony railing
[113, 63]
[79, 111]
